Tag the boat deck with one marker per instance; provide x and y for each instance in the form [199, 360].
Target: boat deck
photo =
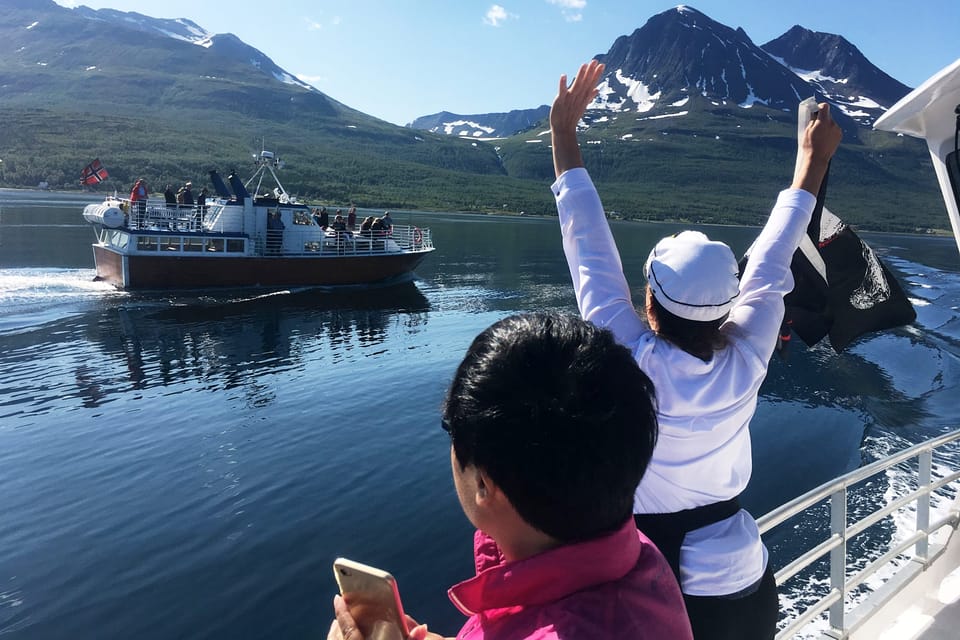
[928, 608]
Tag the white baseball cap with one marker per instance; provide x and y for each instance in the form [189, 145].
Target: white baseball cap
[692, 276]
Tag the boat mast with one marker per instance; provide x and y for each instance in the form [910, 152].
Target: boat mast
[266, 161]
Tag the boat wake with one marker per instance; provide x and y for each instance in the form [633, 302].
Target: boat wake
[32, 297]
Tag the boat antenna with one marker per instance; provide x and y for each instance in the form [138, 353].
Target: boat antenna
[266, 161]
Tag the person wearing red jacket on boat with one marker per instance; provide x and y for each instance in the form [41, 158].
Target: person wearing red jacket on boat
[138, 201]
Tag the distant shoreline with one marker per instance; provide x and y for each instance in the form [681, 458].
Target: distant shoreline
[93, 196]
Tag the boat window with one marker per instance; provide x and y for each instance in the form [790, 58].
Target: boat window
[215, 244]
[147, 243]
[170, 244]
[953, 170]
[235, 245]
[193, 244]
[119, 239]
[302, 217]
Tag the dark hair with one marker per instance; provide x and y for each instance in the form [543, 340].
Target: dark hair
[699, 338]
[559, 416]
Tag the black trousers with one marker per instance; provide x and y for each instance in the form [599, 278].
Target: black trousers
[752, 617]
[749, 617]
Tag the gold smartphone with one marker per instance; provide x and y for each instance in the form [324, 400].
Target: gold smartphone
[373, 599]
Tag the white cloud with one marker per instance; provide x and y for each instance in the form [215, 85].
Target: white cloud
[316, 25]
[497, 15]
[572, 10]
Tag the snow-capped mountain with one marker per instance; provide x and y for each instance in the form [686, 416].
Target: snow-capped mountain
[494, 125]
[225, 44]
[839, 71]
[681, 54]
[682, 60]
[178, 28]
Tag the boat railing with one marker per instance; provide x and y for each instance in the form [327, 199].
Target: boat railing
[151, 215]
[844, 597]
[400, 239]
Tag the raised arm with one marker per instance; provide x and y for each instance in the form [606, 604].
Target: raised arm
[568, 107]
[603, 294]
[759, 309]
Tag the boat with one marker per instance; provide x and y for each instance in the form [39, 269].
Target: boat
[239, 238]
[903, 582]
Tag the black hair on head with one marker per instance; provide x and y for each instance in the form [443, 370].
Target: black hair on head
[559, 416]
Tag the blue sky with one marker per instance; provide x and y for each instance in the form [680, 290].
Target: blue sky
[402, 59]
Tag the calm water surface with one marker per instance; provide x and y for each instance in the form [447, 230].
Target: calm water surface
[188, 465]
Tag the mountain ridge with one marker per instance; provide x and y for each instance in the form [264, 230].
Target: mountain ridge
[168, 99]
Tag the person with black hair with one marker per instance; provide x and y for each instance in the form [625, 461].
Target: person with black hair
[551, 426]
[706, 345]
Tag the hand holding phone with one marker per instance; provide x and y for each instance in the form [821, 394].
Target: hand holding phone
[372, 599]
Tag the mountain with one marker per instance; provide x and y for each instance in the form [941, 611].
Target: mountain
[170, 100]
[838, 71]
[682, 55]
[495, 125]
[694, 123]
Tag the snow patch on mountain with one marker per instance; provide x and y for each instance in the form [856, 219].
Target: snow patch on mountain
[614, 98]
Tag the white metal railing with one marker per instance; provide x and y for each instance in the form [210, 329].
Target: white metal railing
[401, 239]
[297, 240]
[841, 586]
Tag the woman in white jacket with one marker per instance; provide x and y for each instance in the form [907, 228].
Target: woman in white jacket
[705, 339]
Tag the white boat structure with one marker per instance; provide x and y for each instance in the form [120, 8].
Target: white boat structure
[234, 240]
[907, 588]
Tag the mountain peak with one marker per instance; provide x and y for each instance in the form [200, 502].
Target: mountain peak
[839, 70]
[177, 28]
[682, 53]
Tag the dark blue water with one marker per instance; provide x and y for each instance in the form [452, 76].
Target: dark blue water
[189, 465]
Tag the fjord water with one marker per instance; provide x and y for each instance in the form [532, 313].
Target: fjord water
[188, 465]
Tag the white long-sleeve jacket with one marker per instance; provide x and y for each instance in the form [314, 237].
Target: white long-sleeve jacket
[704, 408]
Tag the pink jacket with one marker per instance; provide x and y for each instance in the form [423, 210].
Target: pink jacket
[617, 586]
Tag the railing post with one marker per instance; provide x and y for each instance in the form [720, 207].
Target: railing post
[924, 477]
[838, 556]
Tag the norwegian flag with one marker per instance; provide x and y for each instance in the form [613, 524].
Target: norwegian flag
[93, 173]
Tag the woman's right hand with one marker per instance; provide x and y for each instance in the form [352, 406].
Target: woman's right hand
[344, 627]
[419, 631]
[568, 107]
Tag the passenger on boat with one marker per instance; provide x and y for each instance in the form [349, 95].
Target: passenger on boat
[201, 209]
[324, 218]
[170, 197]
[366, 226]
[706, 345]
[547, 478]
[138, 202]
[340, 229]
[352, 218]
[275, 229]
[185, 195]
[378, 230]
[387, 222]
